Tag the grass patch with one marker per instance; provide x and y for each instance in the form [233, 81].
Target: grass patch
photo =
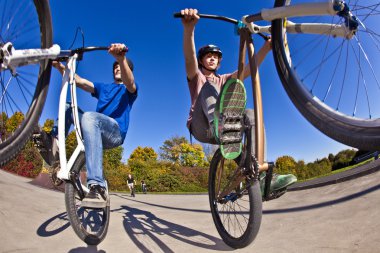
[340, 170]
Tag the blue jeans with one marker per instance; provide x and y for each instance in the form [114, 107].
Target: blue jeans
[99, 131]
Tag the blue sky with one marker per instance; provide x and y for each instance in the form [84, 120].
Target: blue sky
[155, 41]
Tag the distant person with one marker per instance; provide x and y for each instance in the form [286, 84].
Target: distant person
[205, 85]
[143, 186]
[131, 184]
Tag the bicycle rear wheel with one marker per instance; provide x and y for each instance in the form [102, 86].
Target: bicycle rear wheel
[26, 24]
[237, 216]
[333, 81]
[91, 225]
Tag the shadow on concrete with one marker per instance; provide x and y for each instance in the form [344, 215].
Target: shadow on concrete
[143, 226]
[286, 210]
[88, 249]
[54, 225]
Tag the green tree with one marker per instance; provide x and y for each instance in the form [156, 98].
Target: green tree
[113, 168]
[143, 154]
[166, 150]
[71, 143]
[179, 151]
[189, 155]
[48, 125]
[14, 122]
[343, 159]
[3, 123]
[286, 165]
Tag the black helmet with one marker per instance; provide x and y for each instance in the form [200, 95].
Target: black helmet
[130, 64]
[209, 49]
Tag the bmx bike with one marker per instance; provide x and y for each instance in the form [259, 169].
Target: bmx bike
[325, 55]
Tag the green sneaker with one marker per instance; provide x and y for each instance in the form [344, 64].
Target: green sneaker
[278, 183]
[228, 118]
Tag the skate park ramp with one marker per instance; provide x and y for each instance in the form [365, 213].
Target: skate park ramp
[340, 217]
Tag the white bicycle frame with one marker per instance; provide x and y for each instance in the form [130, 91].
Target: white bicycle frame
[302, 10]
[68, 80]
[13, 58]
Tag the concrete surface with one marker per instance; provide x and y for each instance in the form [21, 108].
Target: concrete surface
[342, 217]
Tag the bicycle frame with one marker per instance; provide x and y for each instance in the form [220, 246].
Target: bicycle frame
[10, 58]
[330, 7]
[68, 79]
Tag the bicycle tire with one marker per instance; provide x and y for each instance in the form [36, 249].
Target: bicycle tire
[91, 228]
[248, 221]
[33, 81]
[341, 106]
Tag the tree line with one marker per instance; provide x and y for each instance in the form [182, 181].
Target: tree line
[179, 166]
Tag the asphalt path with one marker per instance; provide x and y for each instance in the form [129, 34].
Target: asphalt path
[343, 217]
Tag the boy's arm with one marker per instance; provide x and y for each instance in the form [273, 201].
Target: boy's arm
[82, 83]
[117, 51]
[189, 21]
[260, 56]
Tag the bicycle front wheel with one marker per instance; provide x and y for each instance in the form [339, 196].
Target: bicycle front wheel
[91, 225]
[334, 81]
[26, 24]
[237, 215]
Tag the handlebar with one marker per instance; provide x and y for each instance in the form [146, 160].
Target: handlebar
[230, 20]
[64, 54]
[222, 18]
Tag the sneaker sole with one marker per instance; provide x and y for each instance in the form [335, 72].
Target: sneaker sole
[94, 204]
[229, 112]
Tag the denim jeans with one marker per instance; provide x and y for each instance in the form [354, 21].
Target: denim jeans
[99, 131]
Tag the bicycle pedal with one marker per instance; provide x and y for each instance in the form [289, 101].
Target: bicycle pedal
[275, 194]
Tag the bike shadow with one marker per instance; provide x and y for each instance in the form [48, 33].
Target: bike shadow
[88, 249]
[54, 225]
[145, 230]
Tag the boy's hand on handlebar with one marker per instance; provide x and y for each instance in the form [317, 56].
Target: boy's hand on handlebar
[268, 45]
[58, 65]
[118, 51]
[190, 17]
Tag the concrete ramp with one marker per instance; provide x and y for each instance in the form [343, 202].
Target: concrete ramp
[343, 217]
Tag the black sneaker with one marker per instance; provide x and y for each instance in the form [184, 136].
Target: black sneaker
[47, 146]
[97, 197]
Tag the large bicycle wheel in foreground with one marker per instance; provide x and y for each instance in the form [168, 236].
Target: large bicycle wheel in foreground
[333, 81]
[26, 24]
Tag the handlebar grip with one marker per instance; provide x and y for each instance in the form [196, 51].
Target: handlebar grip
[125, 49]
[177, 15]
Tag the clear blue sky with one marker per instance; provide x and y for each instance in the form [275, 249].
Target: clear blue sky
[155, 41]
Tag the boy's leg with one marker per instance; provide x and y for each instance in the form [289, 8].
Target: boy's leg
[47, 143]
[203, 116]
[98, 131]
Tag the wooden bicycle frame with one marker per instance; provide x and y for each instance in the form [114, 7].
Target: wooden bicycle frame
[246, 41]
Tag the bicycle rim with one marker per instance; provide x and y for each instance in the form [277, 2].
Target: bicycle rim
[91, 225]
[334, 82]
[26, 24]
[237, 220]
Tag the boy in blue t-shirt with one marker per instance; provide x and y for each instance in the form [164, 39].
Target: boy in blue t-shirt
[107, 127]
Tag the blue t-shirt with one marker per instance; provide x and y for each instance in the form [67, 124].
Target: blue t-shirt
[115, 101]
